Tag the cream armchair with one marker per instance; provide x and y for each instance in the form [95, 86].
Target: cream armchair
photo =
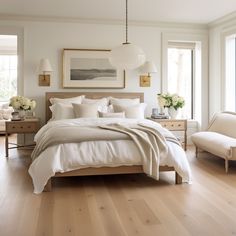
[220, 137]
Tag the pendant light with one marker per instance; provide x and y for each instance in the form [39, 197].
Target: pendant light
[127, 55]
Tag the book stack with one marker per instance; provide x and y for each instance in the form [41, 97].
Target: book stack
[159, 116]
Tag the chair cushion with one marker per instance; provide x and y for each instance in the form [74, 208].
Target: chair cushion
[224, 123]
[215, 143]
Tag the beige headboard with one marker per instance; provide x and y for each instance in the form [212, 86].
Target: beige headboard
[94, 95]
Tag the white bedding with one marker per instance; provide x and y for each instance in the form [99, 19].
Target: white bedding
[71, 156]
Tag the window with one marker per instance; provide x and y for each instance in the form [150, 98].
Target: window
[8, 77]
[180, 74]
[8, 67]
[230, 66]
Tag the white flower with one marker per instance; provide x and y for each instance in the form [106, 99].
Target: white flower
[22, 103]
[170, 100]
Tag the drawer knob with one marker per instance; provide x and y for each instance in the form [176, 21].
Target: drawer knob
[21, 127]
[172, 125]
[29, 127]
[13, 127]
[179, 124]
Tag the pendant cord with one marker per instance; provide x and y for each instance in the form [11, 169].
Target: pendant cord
[126, 22]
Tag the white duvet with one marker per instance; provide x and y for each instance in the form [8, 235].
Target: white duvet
[71, 156]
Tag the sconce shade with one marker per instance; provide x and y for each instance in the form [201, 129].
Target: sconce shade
[44, 66]
[149, 67]
[127, 56]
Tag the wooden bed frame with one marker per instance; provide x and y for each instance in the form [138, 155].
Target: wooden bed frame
[101, 170]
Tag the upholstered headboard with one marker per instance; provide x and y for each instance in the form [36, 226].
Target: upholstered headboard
[94, 95]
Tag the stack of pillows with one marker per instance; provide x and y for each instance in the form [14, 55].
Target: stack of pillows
[81, 107]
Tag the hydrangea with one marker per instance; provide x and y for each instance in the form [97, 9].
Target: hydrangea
[22, 103]
[170, 100]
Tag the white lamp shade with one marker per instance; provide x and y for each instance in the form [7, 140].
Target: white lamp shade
[44, 66]
[127, 56]
[148, 67]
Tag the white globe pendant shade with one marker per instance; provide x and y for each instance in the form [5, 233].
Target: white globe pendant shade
[127, 56]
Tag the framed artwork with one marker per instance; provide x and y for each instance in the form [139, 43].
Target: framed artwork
[90, 68]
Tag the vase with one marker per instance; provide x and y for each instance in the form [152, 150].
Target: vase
[172, 112]
[22, 114]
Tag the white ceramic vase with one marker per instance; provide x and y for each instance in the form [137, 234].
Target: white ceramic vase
[21, 114]
[172, 112]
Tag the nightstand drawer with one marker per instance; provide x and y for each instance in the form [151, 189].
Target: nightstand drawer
[173, 125]
[22, 127]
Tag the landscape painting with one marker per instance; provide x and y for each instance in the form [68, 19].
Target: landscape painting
[90, 68]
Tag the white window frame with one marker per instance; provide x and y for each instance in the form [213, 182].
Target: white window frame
[190, 46]
[19, 32]
[202, 116]
[224, 35]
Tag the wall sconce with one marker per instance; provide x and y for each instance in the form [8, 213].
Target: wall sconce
[148, 67]
[44, 70]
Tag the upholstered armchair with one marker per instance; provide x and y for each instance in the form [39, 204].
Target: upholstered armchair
[219, 138]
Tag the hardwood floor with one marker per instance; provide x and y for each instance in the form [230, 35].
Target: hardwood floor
[118, 205]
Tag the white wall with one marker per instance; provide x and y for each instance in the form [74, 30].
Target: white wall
[47, 39]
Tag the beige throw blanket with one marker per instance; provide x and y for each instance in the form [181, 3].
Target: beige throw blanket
[151, 142]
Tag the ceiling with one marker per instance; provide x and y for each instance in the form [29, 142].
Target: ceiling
[178, 11]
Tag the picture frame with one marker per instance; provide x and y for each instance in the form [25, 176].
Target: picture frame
[90, 68]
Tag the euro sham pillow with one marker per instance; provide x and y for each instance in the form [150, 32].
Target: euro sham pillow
[102, 103]
[124, 101]
[77, 100]
[85, 110]
[133, 111]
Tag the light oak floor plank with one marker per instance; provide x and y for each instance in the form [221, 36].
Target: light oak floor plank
[123, 205]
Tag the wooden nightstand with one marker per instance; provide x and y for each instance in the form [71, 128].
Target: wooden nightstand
[174, 125]
[20, 127]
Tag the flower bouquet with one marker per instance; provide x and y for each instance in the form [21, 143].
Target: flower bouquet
[172, 101]
[22, 104]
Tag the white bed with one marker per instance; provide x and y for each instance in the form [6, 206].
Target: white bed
[98, 157]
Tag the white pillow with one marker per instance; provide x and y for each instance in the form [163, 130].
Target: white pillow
[67, 100]
[7, 113]
[111, 114]
[62, 111]
[124, 101]
[1, 114]
[5, 105]
[134, 111]
[85, 110]
[102, 103]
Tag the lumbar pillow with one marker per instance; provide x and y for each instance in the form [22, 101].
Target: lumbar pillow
[135, 111]
[111, 114]
[85, 110]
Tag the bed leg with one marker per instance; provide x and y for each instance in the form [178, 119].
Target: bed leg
[226, 165]
[48, 186]
[178, 178]
[196, 151]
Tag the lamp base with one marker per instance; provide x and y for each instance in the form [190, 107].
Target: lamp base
[44, 80]
[145, 81]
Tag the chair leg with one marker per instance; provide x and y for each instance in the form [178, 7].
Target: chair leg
[226, 165]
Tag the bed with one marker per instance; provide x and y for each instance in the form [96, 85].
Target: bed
[175, 160]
